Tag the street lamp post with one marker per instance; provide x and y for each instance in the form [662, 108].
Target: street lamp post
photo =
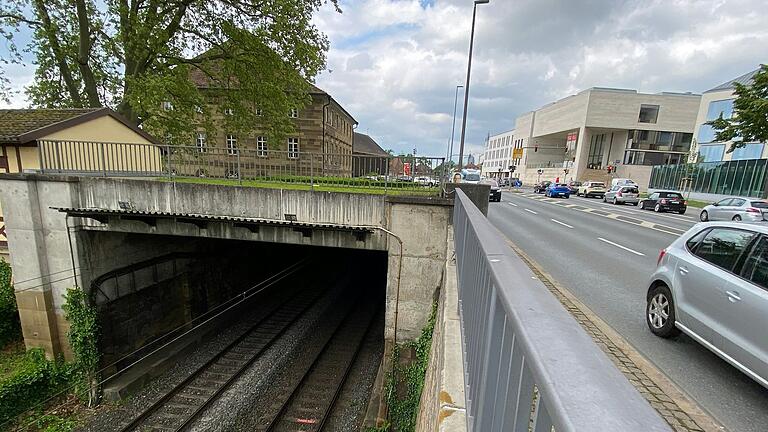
[453, 127]
[466, 86]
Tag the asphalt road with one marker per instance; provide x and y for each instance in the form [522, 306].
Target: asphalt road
[604, 254]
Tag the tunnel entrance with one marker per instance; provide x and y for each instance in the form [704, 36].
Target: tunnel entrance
[258, 336]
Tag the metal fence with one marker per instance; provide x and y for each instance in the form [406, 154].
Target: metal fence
[529, 366]
[740, 177]
[260, 166]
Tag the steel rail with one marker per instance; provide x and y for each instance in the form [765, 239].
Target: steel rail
[295, 391]
[181, 385]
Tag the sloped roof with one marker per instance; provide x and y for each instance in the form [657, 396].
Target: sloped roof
[364, 144]
[22, 126]
[745, 79]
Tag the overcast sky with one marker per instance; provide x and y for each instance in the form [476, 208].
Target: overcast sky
[395, 64]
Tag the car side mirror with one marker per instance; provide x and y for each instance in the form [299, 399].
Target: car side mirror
[714, 204]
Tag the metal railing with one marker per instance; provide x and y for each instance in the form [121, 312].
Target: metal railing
[740, 177]
[529, 366]
[255, 166]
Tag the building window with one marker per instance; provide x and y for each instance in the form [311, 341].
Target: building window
[648, 114]
[595, 159]
[711, 153]
[749, 151]
[293, 148]
[167, 106]
[261, 146]
[714, 111]
[232, 144]
[294, 113]
[200, 142]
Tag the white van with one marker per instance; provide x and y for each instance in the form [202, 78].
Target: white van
[623, 182]
[470, 176]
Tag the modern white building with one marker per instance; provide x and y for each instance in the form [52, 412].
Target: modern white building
[580, 136]
[715, 102]
[498, 156]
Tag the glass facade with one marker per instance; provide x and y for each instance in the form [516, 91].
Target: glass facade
[738, 177]
[595, 157]
[749, 151]
[715, 110]
[711, 153]
[659, 141]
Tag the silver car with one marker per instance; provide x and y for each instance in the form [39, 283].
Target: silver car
[712, 284]
[736, 209]
[622, 194]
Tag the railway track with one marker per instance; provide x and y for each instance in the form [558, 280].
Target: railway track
[181, 406]
[307, 405]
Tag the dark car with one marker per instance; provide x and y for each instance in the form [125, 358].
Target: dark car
[555, 190]
[541, 187]
[495, 194]
[664, 201]
[574, 187]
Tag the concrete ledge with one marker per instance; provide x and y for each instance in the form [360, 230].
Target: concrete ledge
[422, 200]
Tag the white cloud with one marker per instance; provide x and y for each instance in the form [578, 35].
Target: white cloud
[527, 53]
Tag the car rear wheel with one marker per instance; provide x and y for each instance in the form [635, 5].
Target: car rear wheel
[657, 209]
[737, 218]
[660, 312]
[681, 212]
[704, 216]
[615, 201]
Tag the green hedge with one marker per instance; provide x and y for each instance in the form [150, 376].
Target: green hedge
[34, 380]
[9, 315]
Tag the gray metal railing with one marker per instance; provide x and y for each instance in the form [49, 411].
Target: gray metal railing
[245, 163]
[528, 364]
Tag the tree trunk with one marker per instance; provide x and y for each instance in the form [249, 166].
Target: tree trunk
[84, 54]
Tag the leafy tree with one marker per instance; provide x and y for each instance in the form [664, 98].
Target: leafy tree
[134, 55]
[749, 122]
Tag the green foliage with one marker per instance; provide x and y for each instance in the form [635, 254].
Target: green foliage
[83, 337]
[33, 380]
[403, 391]
[133, 55]
[749, 122]
[10, 329]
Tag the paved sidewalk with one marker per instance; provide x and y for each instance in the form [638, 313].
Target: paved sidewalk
[682, 414]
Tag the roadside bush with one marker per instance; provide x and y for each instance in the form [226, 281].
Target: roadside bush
[10, 329]
[34, 380]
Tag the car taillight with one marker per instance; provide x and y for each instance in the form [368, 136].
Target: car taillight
[753, 210]
[661, 256]
[618, 194]
[685, 203]
[663, 201]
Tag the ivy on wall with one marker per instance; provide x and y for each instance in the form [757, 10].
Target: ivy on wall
[83, 339]
[10, 329]
[403, 390]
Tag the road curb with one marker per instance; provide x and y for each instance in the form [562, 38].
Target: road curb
[680, 411]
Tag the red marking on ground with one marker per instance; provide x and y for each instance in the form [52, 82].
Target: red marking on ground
[306, 421]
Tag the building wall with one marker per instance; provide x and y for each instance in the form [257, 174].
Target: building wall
[102, 129]
[498, 153]
[310, 126]
[565, 114]
[620, 110]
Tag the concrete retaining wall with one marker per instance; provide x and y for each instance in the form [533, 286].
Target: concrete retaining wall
[443, 406]
[42, 258]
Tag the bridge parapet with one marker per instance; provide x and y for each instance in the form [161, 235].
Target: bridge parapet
[528, 364]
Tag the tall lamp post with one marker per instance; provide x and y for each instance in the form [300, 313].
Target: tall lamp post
[466, 86]
[453, 127]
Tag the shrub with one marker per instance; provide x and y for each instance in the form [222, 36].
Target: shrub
[34, 380]
[83, 339]
[10, 329]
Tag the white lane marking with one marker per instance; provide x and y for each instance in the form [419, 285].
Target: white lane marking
[531, 211]
[561, 223]
[513, 204]
[621, 247]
